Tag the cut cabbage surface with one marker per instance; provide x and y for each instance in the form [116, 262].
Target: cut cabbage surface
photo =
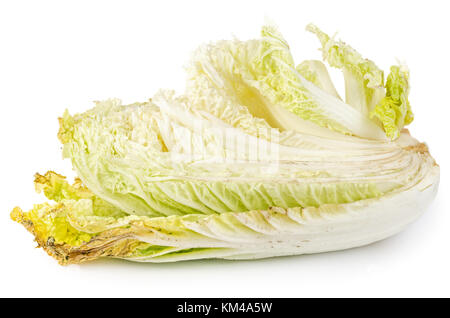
[259, 157]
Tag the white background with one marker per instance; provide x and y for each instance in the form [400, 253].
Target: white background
[57, 54]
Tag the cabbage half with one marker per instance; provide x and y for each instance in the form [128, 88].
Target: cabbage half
[258, 158]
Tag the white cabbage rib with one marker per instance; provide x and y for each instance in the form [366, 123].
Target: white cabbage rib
[356, 122]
